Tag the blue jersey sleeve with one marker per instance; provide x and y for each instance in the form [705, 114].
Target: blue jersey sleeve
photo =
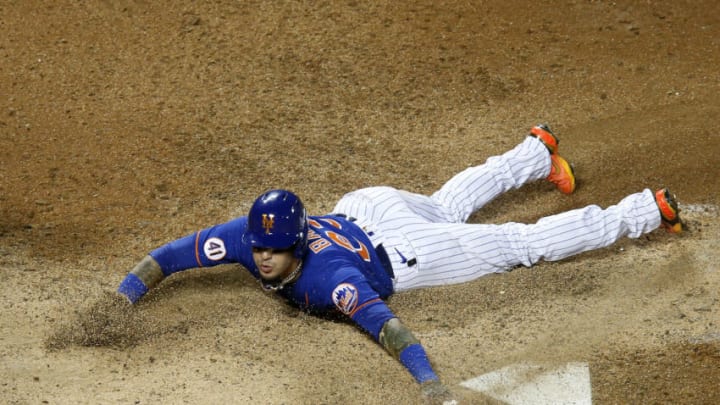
[363, 305]
[356, 298]
[372, 317]
[212, 246]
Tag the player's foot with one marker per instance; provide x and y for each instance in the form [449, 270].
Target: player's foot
[561, 172]
[669, 211]
[545, 135]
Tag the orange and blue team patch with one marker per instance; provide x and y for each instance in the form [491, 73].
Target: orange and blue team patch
[345, 296]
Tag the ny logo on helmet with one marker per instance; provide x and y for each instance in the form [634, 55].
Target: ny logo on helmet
[268, 222]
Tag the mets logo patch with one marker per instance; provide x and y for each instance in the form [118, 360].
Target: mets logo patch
[345, 297]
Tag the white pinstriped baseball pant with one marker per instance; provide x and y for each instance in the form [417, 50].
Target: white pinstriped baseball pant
[432, 229]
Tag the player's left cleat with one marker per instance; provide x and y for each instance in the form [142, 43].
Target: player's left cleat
[561, 172]
[669, 211]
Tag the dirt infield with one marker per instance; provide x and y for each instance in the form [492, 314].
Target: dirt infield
[125, 124]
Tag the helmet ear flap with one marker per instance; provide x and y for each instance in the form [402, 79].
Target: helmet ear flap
[278, 220]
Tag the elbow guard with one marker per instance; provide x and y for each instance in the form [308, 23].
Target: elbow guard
[395, 337]
[404, 346]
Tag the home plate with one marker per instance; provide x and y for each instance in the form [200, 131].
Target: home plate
[531, 384]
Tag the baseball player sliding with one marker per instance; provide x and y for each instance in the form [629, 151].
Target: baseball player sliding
[381, 241]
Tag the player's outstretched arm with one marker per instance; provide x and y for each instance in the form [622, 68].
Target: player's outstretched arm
[146, 275]
[406, 348]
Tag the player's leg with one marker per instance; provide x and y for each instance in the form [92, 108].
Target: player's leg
[455, 253]
[461, 195]
[476, 186]
[472, 188]
[371, 204]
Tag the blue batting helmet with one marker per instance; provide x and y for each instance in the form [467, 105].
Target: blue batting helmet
[278, 220]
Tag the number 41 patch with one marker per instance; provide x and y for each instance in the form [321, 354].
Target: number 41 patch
[214, 249]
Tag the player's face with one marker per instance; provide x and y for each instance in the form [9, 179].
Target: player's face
[274, 264]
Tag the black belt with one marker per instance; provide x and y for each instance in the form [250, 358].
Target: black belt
[379, 249]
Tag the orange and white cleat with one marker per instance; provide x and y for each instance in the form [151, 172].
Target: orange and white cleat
[669, 211]
[561, 172]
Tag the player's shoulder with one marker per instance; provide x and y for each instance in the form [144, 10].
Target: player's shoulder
[238, 222]
[335, 222]
[327, 219]
[234, 227]
[230, 232]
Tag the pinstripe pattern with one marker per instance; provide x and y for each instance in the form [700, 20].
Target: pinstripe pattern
[432, 229]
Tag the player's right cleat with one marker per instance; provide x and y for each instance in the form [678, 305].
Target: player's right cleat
[561, 173]
[545, 135]
[669, 211]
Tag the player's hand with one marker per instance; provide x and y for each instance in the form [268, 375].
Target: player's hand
[118, 298]
[435, 393]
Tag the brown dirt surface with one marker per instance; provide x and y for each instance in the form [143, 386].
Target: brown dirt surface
[125, 124]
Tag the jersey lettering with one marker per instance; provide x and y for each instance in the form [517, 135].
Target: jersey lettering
[332, 222]
[312, 234]
[317, 243]
[329, 221]
[345, 242]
